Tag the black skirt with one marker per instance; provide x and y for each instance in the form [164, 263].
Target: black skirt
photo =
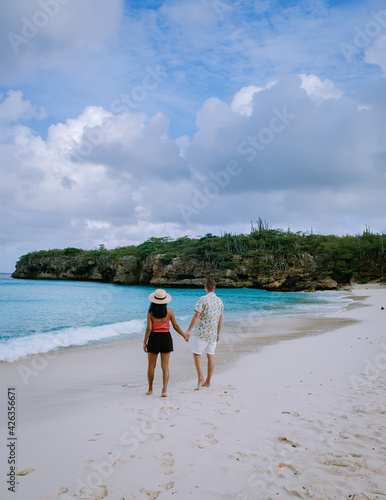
[160, 342]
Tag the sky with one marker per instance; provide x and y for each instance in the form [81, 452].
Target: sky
[125, 120]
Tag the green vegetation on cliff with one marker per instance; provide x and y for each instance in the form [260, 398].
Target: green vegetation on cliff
[342, 258]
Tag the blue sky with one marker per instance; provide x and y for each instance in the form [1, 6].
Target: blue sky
[119, 119]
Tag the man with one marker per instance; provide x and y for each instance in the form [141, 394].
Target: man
[209, 314]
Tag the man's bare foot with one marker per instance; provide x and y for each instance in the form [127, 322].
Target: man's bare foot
[200, 384]
[206, 384]
[163, 393]
[150, 391]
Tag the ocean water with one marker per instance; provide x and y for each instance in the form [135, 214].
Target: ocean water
[43, 316]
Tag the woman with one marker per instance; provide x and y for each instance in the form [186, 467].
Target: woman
[157, 336]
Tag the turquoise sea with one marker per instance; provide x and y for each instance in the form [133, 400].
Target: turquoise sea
[42, 316]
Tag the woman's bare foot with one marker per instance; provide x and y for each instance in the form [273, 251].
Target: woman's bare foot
[206, 384]
[164, 393]
[150, 391]
[200, 384]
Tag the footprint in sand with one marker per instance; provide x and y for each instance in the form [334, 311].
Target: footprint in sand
[24, 472]
[240, 456]
[229, 412]
[151, 495]
[61, 491]
[214, 428]
[165, 412]
[167, 486]
[225, 403]
[120, 461]
[156, 436]
[86, 464]
[100, 493]
[287, 441]
[204, 443]
[167, 462]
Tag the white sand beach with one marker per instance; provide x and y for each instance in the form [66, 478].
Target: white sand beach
[299, 418]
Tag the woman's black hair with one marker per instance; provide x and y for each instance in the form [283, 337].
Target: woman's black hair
[159, 311]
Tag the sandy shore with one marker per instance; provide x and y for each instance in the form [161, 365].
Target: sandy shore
[301, 418]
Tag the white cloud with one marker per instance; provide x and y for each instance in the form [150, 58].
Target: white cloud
[307, 154]
[97, 224]
[129, 173]
[243, 100]
[326, 150]
[319, 90]
[64, 137]
[14, 108]
[131, 169]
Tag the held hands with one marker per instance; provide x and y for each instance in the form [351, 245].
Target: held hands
[187, 336]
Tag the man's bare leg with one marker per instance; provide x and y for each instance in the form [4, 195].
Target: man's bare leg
[210, 370]
[152, 360]
[198, 363]
[165, 372]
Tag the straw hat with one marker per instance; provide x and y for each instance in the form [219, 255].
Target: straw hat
[160, 297]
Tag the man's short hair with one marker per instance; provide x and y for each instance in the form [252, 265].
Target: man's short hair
[210, 285]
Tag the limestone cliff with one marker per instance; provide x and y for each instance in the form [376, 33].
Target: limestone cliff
[158, 271]
[124, 271]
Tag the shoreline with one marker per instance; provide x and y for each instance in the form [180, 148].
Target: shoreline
[77, 333]
[39, 376]
[269, 404]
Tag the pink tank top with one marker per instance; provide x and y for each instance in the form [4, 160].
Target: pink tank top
[160, 326]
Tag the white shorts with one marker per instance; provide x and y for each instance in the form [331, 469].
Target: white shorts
[200, 346]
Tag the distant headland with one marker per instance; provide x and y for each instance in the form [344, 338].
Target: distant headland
[269, 259]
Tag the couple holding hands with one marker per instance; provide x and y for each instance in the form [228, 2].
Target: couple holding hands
[208, 318]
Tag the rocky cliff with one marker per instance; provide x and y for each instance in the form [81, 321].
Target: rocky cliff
[161, 272]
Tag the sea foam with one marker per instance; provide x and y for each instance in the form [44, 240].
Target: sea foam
[40, 343]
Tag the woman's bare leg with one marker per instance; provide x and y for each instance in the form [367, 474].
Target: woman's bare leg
[152, 361]
[165, 372]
